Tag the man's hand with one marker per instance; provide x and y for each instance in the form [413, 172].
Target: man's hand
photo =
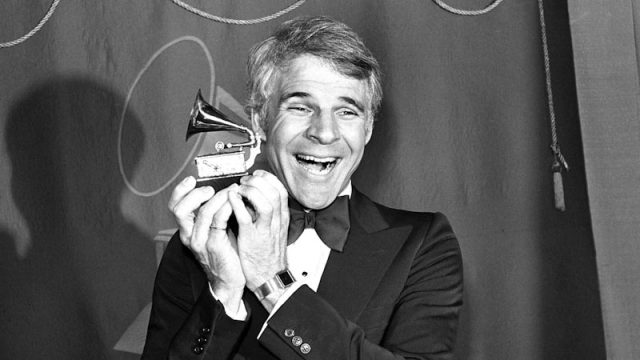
[202, 216]
[262, 238]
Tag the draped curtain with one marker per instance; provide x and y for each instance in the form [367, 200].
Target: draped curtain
[93, 113]
[606, 49]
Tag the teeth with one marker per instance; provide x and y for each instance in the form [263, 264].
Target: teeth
[314, 165]
[315, 159]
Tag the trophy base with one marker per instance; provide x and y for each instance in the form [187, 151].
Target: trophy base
[219, 183]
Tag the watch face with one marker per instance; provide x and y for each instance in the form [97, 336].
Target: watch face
[286, 278]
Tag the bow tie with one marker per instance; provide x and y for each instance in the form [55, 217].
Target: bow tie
[331, 223]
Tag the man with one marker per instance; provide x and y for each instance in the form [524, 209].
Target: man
[368, 282]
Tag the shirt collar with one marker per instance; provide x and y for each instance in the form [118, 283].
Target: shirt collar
[347, 190]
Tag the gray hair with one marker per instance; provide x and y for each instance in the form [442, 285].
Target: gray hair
[320, 36]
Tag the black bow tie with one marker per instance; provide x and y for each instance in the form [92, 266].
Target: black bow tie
[331, 223]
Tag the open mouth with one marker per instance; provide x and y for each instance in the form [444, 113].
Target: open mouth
[314, 165]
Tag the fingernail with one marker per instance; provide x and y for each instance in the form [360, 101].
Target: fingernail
[187, 180]
[207, 190]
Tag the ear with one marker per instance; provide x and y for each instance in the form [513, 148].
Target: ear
[368, 130]
[256, 125]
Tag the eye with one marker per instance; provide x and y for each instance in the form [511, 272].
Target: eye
[347, 113]
[298, 109]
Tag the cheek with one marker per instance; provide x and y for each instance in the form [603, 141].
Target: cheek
[276, 143]
[272, 155]
[281, 129]
[357, 138]
[276, 153]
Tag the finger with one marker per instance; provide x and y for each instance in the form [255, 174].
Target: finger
[191, 202]
[182, 189]
[280, 223]
[243, 216]
[275, 182]
[263, 184]
[221, 217]
[271, 188]
[263, 206]
[204, 220]
[220, 220]
[282, 192]
[184, 211]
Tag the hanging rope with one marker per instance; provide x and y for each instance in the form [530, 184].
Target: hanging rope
[237, 21]
[559, 163]
[33, 31]
[453, 10]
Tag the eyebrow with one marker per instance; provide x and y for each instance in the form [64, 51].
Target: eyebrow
[353, 102]
[286, 96]
[301, 94]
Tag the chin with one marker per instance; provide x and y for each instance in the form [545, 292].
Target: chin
[315, 202]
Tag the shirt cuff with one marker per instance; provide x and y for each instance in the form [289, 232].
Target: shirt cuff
[285, 296]
[239, 315]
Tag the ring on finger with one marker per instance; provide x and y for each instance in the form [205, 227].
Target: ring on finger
[214, 227]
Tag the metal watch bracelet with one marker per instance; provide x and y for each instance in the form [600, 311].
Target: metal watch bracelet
[281, 280]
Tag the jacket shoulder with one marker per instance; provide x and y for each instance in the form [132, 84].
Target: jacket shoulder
[377, 216]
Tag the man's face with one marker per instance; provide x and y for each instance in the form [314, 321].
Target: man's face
[317, 127]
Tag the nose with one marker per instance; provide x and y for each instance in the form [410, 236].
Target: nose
[323, 128]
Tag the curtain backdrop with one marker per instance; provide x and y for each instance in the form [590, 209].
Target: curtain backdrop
[606, 48]
[93, 112]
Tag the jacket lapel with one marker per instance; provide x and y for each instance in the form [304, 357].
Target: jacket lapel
[351, 277]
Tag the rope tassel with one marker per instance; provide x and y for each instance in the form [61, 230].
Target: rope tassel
[558, 188]
[559, 163]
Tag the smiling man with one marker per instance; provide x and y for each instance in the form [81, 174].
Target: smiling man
[293, 262]
[322, 121]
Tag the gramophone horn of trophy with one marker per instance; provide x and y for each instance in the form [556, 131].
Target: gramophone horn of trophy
[229, 158]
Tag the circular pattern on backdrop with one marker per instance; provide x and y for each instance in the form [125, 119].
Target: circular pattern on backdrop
[206, 15]
[33, 31]
[126, 105]
[454, 10]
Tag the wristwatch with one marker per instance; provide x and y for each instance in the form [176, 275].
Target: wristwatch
[281, 280]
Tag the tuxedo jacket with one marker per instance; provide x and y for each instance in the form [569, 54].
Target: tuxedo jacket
[394, 292]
